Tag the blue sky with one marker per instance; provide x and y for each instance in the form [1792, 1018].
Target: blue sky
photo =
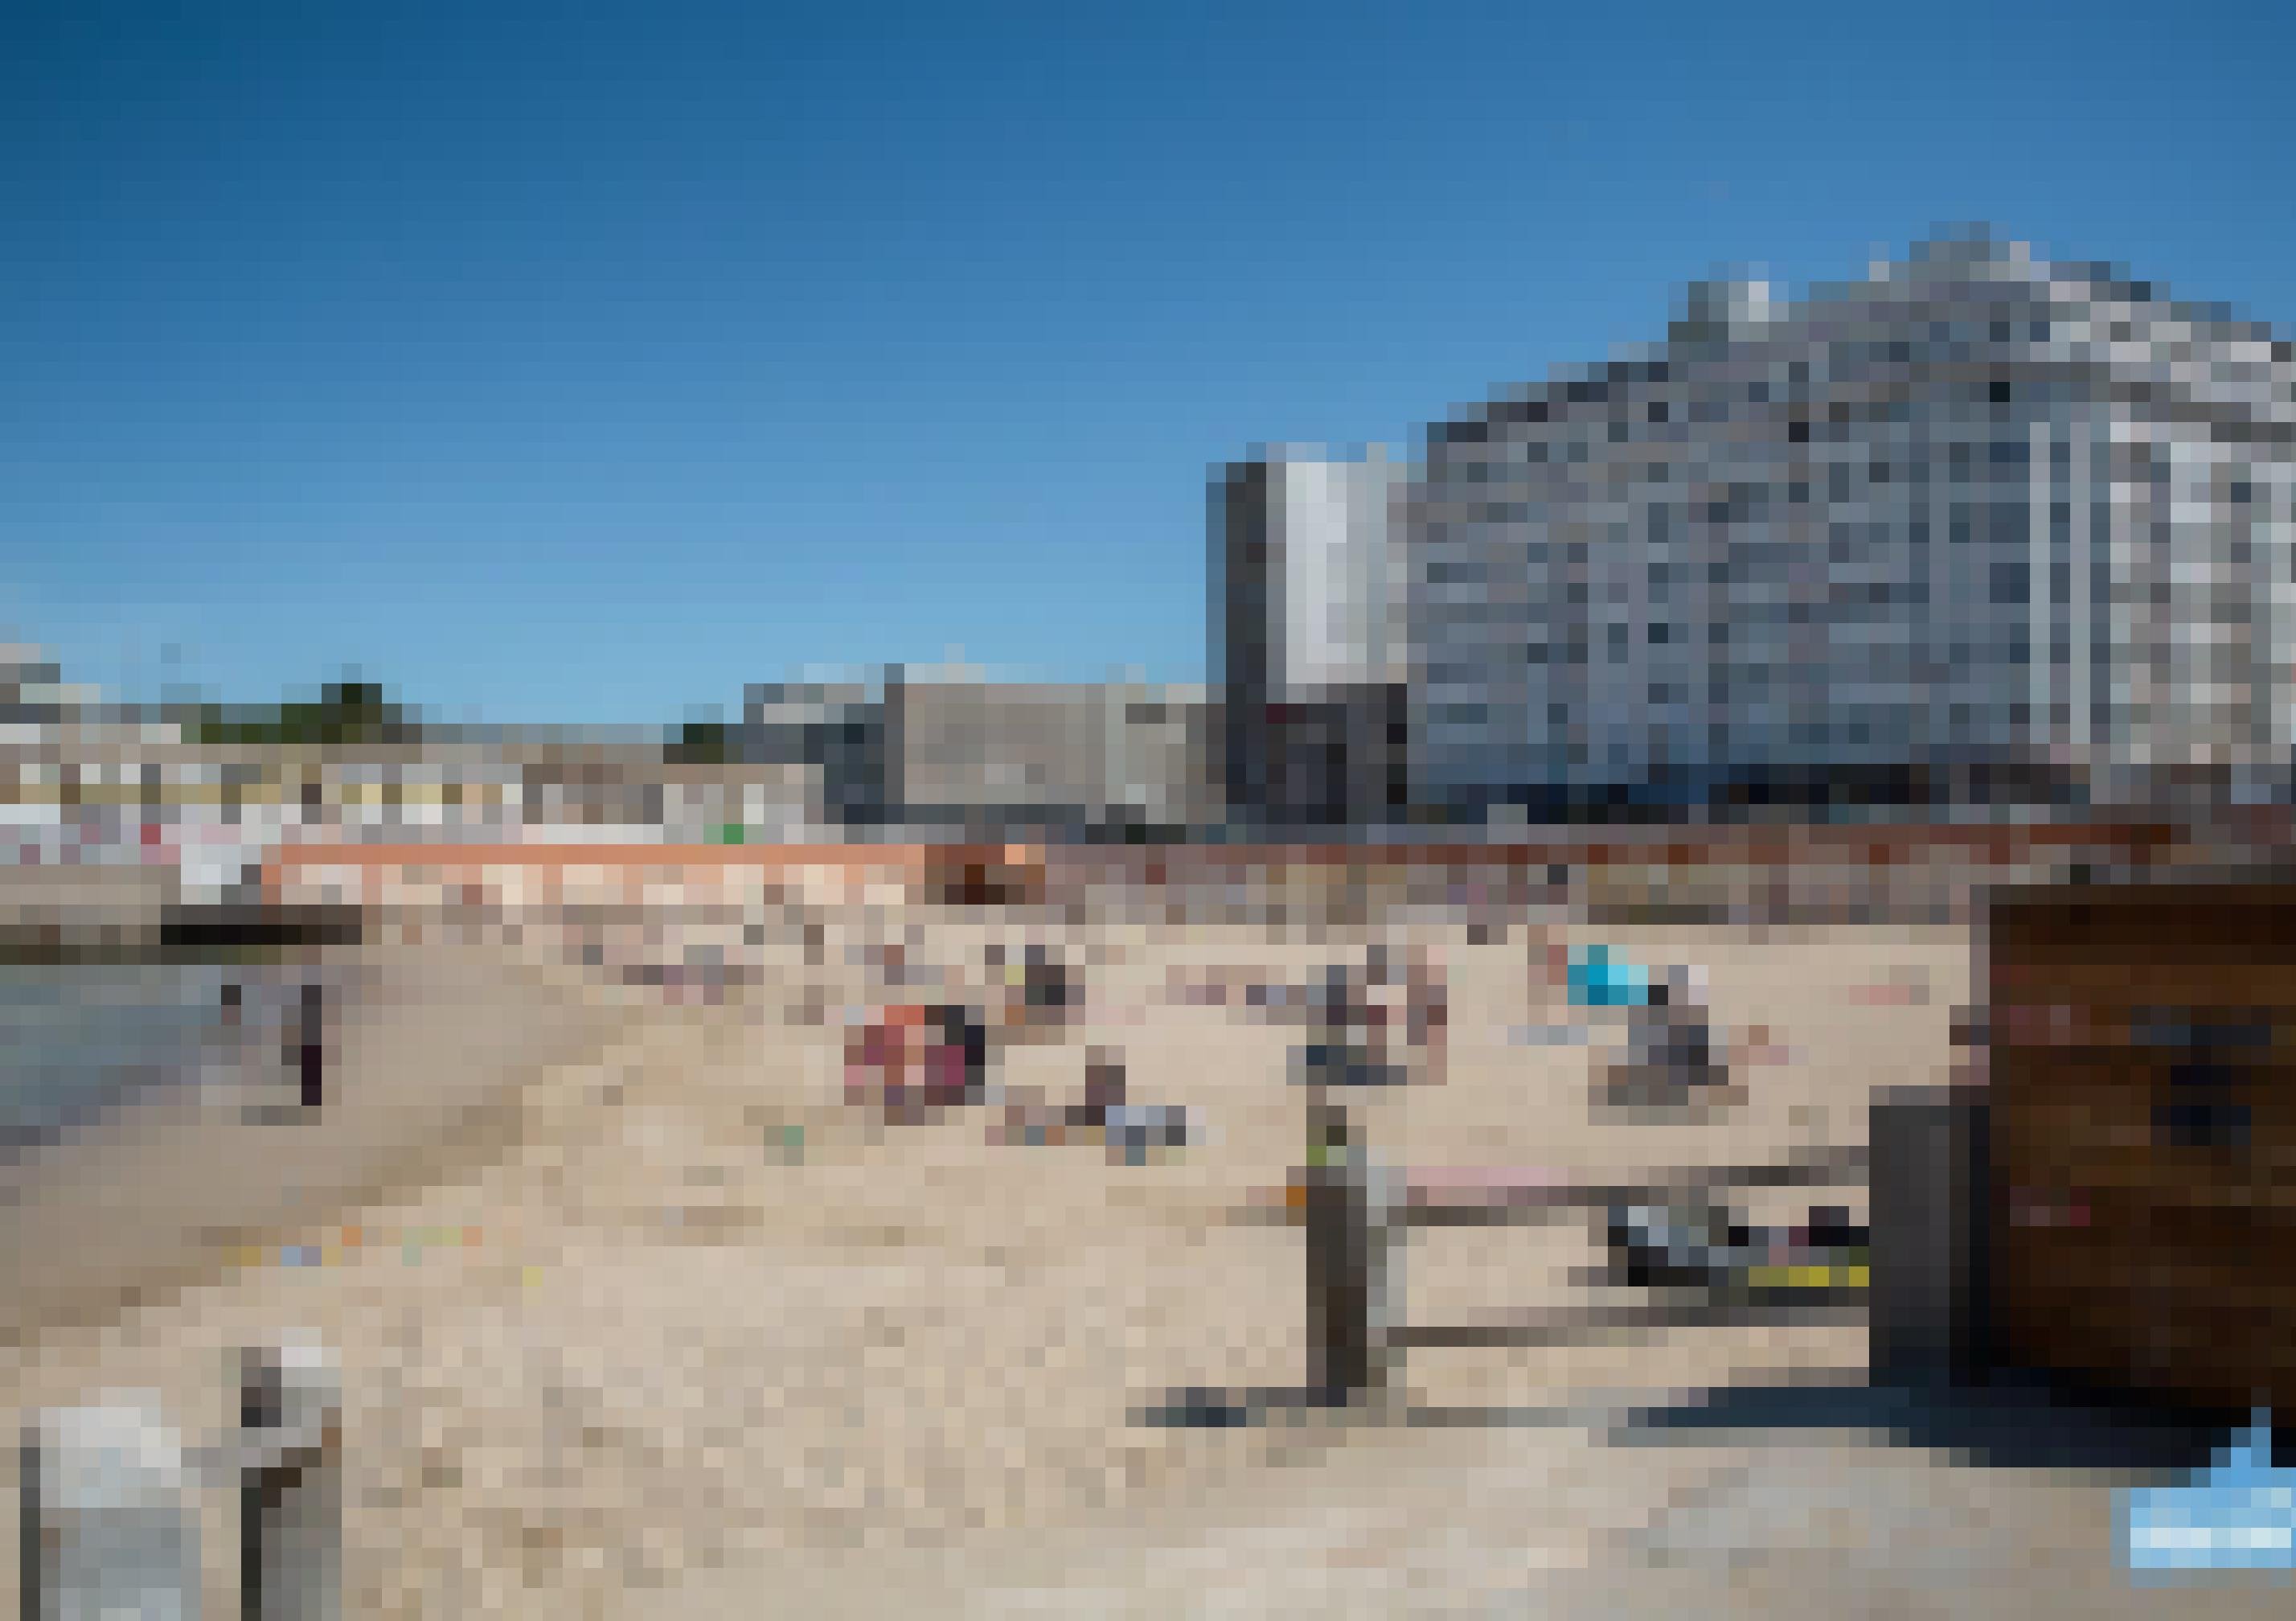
[563, 363]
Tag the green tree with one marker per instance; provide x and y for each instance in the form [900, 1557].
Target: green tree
[344, 712]
[701, 742]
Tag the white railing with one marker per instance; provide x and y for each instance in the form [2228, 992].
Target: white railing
[110, 1511]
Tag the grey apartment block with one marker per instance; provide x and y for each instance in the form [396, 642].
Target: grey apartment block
[833, 735]
[32, 691]
[1976, 507]
[985, 758]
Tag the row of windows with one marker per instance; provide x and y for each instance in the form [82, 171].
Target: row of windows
[1928, 342]
[1915, 718]
[1837, 585]
[1746, 646]
[1960, 459]
[1999, 524]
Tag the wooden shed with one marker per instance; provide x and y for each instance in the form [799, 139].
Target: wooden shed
[2143, 1136]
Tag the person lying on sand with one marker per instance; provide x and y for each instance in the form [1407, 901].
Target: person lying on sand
[1698, 1245]
[1106, 1115]
[1029, 1120]
[1029, 1117]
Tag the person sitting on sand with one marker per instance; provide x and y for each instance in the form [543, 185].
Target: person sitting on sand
[1104, 1090]
[1128, 1129]
[1548, 960]
[1040, 997]
[1345, 1046]
[914, 1061]
[1672, 1052]
[1383, 1022]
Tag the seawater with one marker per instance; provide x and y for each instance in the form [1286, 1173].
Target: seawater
[77, 1041]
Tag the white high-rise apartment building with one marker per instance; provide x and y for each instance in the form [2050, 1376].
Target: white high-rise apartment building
[1976, 508]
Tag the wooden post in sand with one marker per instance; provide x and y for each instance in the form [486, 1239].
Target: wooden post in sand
[1355, 1292]
[1930, 1196]
[290, 1473]
[108, 1521]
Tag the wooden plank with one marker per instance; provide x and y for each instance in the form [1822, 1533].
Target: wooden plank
[2150, 1326]
[2221, 925]
[2119, 1252]
[1491, 1196]
[2159, 1291]
[2124, 982]
[2115, 1135]
[1573, 1325]
[1451, 1203]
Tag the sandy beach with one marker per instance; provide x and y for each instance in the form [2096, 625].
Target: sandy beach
[639, 1317]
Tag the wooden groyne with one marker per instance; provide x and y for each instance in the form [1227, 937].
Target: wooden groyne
[181, 933]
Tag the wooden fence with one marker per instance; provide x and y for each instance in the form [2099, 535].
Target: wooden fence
[1927, 1301]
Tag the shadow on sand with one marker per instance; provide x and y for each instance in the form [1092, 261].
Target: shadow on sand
[2015, 1421]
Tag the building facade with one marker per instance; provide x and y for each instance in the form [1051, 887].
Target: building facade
[1310, 642]
[832, 737]
[1975, 512]
[989, 759]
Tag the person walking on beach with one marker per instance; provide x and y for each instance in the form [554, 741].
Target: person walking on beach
[307, 1043]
